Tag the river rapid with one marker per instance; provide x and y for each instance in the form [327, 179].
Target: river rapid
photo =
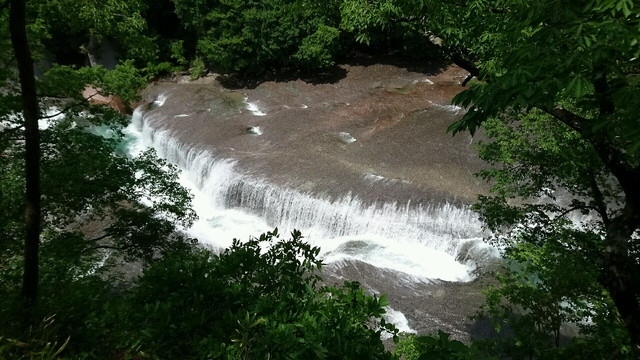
[361, 165]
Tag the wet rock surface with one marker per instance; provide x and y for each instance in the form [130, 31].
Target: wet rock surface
[378, 133]
[429, 306]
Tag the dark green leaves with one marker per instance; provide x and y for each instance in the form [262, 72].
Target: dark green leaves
[247, 36]
[318, 50]
[545, 54]
[258, 299]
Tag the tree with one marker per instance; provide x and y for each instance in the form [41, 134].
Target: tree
[17, 21]
[570, 67]
[415, 28]
[388, 25]
[249, 36]
[437, 347]
[86, 27]
[569, 71]
[73, 174]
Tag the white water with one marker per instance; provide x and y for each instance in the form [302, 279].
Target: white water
[399, 320]
[255, 110]
[422, 241]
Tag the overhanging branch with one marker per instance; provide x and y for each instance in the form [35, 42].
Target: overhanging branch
[568, 118]
[603, 92]
[99, 238]
[76, 104]
[106, 247]
[612, 157]
[598, 198]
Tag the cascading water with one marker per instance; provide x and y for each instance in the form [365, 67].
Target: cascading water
[420, 240]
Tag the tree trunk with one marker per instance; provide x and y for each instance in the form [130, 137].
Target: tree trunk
[31, 114]
[92, 50]
[619, 271]
[619, 268]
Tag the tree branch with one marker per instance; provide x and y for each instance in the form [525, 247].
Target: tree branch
[576, 208]
[613, 158]
[99, 238]
[570, 119]
[458, 56]
[407, 19]
[598, 198]
[603, 93]
[68, 108]
[11, 130]
[97, 247]
[463, 61]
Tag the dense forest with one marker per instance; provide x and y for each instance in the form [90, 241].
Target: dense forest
[553, 84]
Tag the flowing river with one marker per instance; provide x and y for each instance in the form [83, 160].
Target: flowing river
[362, 166]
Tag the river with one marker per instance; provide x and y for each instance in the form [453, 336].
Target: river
[361, 165]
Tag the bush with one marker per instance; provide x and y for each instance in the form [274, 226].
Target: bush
[436, 347]
[318, 50]
[255, 36]
[258, 299]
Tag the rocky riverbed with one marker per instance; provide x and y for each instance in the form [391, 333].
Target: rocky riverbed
[376, 132]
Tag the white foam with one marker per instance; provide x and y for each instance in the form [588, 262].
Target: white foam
[410, 257]
[255, 130]
[160, 100]
[53, 115]
[253, 107]
[374, 177]
[399, 320]
[346, 137]
[420, 240]
[451, 108]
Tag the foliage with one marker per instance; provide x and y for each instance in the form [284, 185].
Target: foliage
[547, 54]
[197, 69]
[95, 201]
[107, 188]
[549, 186]
[539, 161]
[388, 25]
[365, 17]
[260, 298]
[257, 299]
[178, 52]
[247, 36]
[318, 49]
[38, 345]
[60, 84]
[437, 347]
[94, 209]
[94, 24]
[547, 292]
[554, 84]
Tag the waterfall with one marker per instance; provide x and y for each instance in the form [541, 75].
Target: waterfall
[421, 240]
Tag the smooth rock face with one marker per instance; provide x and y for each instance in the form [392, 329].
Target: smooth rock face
[379, 133]
[428, 306]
